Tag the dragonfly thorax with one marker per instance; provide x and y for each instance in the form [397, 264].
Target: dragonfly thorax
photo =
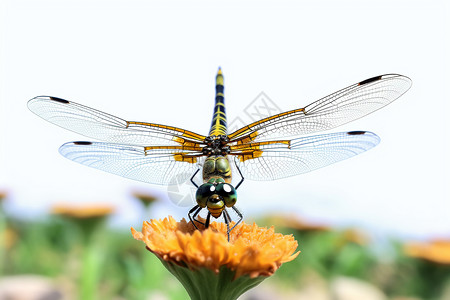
[216, 145]
[217, 167]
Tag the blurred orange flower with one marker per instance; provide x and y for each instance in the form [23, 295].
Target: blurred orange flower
[3, 195]
[294, 222]
[9, 237]
[146, 198]
[437, 251]
[82, 211]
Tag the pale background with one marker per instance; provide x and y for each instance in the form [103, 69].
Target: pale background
[156, 61]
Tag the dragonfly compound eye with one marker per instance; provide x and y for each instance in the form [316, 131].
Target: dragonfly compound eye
[204, 192]
[228, 193]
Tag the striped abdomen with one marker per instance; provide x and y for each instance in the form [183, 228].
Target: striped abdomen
[219, 121]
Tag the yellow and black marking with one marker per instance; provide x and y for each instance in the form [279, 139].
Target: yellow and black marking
[247, 138]
[185, 142]
[219, 121]
[215, 206]
[251, 151]
[250, 154]
[179, 156]
[185, 133]
[257, 145]
[185, 158]
[186, 148]
[243, 133]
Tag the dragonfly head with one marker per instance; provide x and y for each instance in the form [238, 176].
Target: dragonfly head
[215, 195]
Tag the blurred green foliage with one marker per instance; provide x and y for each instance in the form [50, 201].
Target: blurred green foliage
[330, 253]
[110, 264]
[110, 260]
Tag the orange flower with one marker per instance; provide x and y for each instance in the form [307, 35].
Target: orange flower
[436, 251]
[252, 250]
[210, 267]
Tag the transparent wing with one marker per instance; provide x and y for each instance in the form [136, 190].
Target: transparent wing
[334, 110]
[275, 160]
[102, 126]
[148, 164]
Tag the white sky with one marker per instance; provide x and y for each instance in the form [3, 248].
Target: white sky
[156, 61]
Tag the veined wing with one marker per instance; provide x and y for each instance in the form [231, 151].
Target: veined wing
[157, 164]
[102, 126]
[279, 159]
[331, 111]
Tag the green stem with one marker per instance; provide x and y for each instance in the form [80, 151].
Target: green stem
[90, 273]
[92, 258]
[2, 240]
[205, 284]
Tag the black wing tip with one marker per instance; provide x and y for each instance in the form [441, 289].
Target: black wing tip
[59, 100]
[82, 143]
[385, 76]
[46, 98]
[360, 132]
[368, 134]
[373, 79]
[51, 98]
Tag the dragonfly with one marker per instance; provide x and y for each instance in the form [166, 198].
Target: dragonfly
[272, 148]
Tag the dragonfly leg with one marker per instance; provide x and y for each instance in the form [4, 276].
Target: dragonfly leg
[208, 218]
[242, 177]
[196, 209]
[227, 219]
[240, 217]
[192, 178]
